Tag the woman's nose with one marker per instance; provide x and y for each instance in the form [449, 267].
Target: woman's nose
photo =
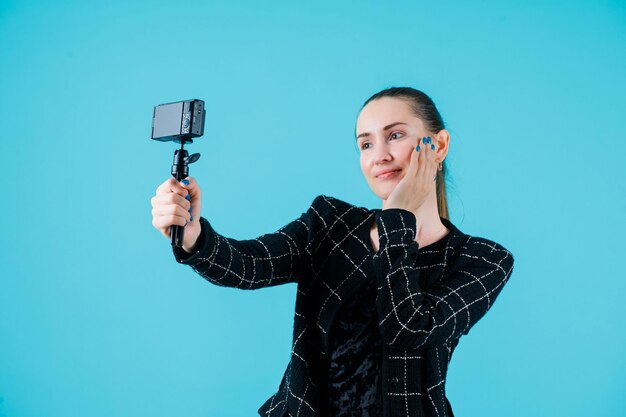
[381, 153]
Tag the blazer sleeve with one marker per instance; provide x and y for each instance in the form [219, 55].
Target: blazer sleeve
[411, 317]
[271, 259]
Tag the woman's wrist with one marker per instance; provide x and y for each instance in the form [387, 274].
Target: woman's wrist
[192, 245]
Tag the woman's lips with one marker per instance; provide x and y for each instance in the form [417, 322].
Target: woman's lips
[388, 175]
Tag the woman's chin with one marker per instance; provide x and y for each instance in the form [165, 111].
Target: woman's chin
[383, 192]
[383, 189]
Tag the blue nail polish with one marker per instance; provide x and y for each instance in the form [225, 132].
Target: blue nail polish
[189, 209]
[190, 218]
[424, 140]
[430, 140]
[185, 182]
[417, 148]
[188, 197]
[432, 147]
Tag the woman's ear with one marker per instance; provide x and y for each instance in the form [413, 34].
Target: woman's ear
[441, 141]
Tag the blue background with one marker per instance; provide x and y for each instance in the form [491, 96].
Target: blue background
[97, 318]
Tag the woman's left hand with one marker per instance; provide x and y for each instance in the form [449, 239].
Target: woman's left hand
[419, 181]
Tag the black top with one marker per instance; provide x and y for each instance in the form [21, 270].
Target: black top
[354, 382]
[426, 298]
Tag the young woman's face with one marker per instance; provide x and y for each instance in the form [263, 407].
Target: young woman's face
[387, 132]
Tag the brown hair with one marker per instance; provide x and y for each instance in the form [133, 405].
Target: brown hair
[424, 108]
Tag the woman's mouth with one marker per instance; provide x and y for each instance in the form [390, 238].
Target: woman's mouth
[388, 175]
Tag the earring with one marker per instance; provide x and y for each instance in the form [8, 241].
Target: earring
[440, 166]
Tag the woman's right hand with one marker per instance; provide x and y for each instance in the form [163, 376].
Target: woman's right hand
[171, 206]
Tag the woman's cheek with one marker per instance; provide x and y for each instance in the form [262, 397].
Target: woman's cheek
[408, 153]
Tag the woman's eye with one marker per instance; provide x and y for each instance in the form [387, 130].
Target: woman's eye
[394, 135]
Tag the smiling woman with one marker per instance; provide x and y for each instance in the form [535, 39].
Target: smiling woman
[383, 295]
[389, 128]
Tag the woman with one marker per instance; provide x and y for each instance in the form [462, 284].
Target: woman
[383, 294]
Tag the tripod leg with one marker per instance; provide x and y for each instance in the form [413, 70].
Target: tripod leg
[180, 170]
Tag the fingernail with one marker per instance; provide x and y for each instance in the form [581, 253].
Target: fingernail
[432, 147]
[424, 140]
[188, 197]
[417, 148]
[189, 209]
[190, 218]
[185, 182]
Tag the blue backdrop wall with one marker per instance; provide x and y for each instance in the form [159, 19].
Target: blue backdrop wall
[97, 318]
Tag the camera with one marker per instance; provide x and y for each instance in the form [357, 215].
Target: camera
[180, 121]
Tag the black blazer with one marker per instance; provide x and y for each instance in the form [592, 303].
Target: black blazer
[427, 298]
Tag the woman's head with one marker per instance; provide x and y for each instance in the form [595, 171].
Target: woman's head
[388, 128]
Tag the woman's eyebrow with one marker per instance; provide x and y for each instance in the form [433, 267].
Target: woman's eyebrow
[364, 134]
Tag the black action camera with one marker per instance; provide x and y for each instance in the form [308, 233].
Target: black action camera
[178, 121]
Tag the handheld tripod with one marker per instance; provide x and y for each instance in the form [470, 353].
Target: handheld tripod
[180, 171]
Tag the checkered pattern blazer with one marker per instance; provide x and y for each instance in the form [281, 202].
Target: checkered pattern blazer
[427, 298]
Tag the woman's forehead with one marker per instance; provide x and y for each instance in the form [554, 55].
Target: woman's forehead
[382, 112]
